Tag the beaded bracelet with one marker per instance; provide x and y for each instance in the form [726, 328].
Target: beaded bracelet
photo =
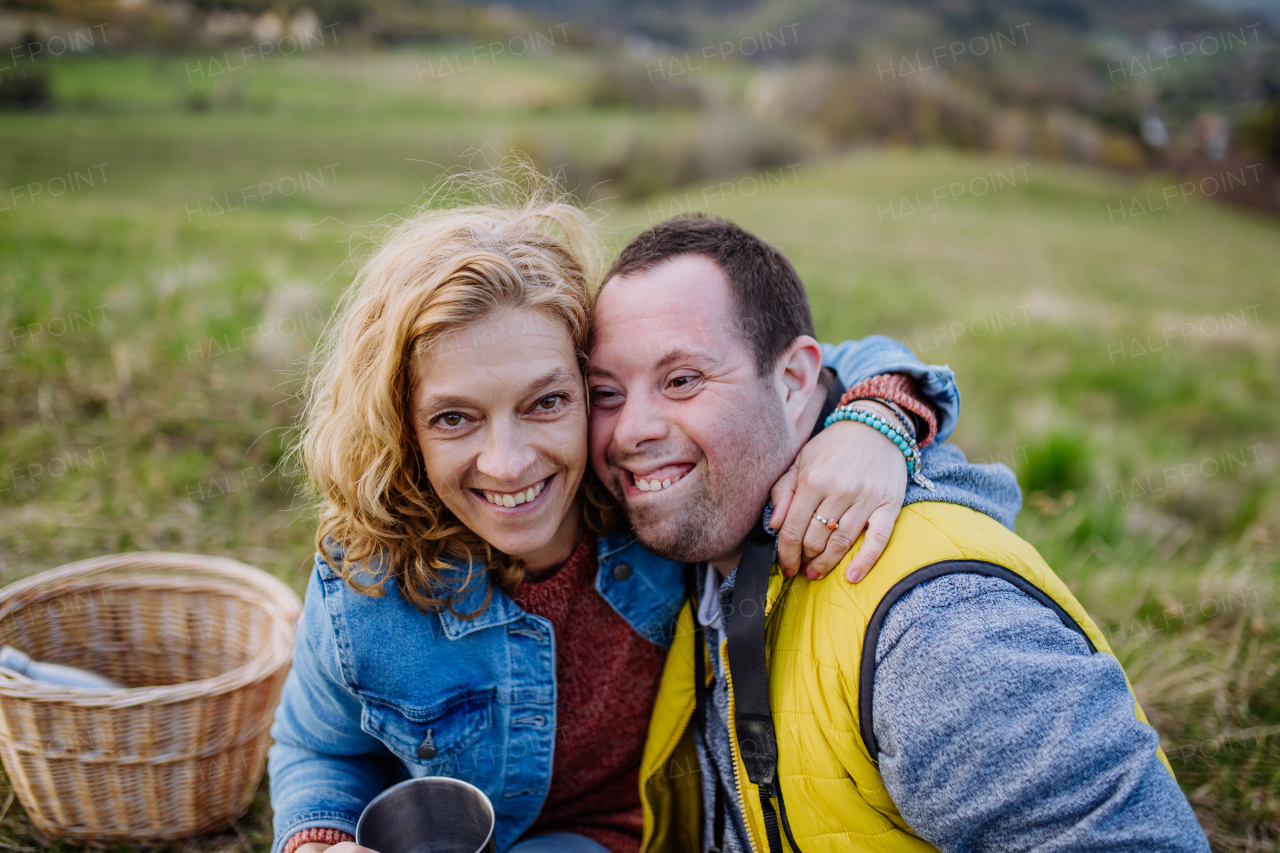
[894, 408]
[905, 443]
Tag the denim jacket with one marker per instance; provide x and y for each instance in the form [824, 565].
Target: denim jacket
[380, 691]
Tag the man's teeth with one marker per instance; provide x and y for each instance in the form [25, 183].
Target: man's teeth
[656, 485]
[514, 498]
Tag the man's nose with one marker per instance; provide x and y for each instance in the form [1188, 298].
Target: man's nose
[508, 455]
[639, 422]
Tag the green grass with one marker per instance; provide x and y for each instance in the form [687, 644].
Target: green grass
[156, 351]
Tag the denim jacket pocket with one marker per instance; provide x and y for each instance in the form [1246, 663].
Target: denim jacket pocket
[431, 736]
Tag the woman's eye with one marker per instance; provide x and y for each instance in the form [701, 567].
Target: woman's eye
[450, 419]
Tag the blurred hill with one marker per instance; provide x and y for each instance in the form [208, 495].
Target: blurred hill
[1144, 68]
[1187, 87]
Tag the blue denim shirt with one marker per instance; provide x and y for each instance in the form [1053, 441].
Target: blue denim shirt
[371, 676]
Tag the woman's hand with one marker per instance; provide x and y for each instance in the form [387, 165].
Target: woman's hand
[340, 847]
[849, 473]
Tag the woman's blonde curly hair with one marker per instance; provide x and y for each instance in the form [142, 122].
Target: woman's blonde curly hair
[522, 246]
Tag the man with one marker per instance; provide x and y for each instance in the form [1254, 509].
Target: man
[958, 698]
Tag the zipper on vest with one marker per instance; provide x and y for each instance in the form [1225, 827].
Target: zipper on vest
[733, 745]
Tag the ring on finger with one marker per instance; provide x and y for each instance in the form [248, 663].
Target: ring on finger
[828, 523]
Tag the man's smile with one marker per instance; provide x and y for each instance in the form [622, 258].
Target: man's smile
[655, 479]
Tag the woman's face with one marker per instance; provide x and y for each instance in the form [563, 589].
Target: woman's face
[501, 419]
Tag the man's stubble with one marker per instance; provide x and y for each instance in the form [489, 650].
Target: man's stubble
[712, 521]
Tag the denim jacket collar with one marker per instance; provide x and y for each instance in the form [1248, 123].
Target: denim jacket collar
[615, 541]
[645, 587]
[500, 611]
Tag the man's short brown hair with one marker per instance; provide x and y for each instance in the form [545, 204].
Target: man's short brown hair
[769, 299]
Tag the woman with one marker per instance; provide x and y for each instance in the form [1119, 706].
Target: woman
[520, 645]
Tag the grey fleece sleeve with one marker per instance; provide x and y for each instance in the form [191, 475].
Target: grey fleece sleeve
[998, 730]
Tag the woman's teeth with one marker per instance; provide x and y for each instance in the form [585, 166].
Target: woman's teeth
[509, 499]
[655, 485]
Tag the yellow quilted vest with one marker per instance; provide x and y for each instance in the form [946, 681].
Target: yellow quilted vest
[835, 797]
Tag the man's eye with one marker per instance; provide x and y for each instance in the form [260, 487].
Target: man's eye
[603, 396]
[681, 381]
[549, 402]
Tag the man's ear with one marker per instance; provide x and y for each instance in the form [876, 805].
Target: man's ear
[798, 369]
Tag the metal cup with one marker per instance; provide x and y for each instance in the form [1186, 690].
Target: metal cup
[429, 814]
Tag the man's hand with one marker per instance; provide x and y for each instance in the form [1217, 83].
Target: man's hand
[849, 473]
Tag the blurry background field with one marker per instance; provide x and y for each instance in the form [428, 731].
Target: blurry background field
[1115, 335]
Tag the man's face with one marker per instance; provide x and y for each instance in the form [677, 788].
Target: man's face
[683, 431]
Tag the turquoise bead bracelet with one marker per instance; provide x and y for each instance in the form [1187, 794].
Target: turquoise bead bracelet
[905, 443]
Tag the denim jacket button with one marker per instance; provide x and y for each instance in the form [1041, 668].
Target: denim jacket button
[622, 571]
[427, 749]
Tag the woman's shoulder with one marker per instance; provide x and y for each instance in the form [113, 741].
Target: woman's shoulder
[381, 647]
[353, 591]
[369, 590]
[331, 564]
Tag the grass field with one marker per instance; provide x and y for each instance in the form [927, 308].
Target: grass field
[1127, 368]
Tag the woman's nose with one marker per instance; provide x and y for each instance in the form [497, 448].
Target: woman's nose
[508, 455]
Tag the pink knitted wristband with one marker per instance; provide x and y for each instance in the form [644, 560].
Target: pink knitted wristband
[317, 833]
[899, 388]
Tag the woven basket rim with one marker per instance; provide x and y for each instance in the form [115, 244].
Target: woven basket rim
[79, 586]
[279, 602]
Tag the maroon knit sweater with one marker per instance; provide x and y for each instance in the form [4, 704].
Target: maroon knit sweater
[606, 682]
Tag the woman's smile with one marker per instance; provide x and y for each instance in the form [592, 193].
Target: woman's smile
[518, 502]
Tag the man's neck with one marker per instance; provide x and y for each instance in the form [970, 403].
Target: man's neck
[728, 564]
[813, 411]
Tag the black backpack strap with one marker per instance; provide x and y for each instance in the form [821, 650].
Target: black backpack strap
[744, 632]
[753, 718]
[867, 668]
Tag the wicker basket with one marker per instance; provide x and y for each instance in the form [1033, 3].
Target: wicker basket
[202, 645]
